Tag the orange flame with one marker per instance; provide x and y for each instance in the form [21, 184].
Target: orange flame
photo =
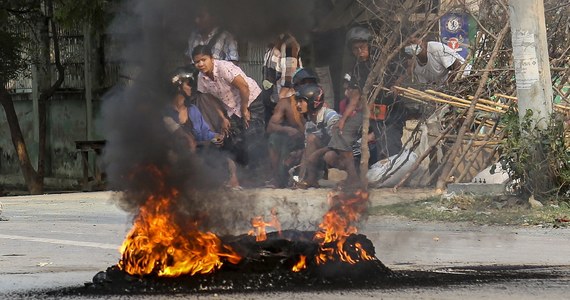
[337, 226]
[300, 265]
[157, 245]
[259, 225]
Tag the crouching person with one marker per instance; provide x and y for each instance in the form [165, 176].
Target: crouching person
[320, 121]
[343, 137]
[239, 95]
[286, 133]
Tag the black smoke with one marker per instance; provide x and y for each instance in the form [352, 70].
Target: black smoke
[150, 37]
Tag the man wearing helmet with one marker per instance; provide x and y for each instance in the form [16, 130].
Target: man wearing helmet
[320, 121]
[387, 113]
[347, 131]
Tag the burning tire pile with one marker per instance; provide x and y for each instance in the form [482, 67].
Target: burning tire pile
[265, 265]
[158, 256]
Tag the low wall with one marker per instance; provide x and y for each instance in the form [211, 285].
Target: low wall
[66, 119]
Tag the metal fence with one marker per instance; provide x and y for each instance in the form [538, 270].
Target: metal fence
[72, 55]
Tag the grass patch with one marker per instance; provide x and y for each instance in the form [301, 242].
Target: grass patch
[500, 210]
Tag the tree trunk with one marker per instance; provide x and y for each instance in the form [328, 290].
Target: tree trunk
[33, 181]
[35, 178]
[47, 90]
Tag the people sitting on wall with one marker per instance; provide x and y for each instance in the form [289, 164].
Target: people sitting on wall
[190, 129]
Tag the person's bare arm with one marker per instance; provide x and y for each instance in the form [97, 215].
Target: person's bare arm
[279, 115]
[240, 83]
[353, 100]
[225, 124]
[318, 154]
[292, 115]
[455, 66]
[286, 92]
[453, 69]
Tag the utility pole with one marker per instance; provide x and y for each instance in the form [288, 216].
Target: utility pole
[532, 66]
[534, 84]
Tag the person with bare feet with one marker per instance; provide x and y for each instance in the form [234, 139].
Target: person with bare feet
[286, 134]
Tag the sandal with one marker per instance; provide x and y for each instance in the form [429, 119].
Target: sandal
[270, 184]
[233, 187]
[303, 184]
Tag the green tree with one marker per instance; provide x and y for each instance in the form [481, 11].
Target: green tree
[11, 63]
[40, 20]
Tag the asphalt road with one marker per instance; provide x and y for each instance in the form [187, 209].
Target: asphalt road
[63, 240]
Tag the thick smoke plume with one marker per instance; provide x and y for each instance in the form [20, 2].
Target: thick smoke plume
[152, 37]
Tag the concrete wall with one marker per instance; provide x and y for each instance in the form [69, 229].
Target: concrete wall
[66, 124]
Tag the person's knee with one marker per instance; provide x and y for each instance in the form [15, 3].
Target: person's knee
[343, 160]
[312, 139]
[331, 158]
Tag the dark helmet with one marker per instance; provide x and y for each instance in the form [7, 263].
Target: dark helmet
[303, 75]
[313, 94]
[184, 74]
[357, 33]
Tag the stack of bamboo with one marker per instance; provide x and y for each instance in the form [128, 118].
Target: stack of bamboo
[481, 139]
[439, 97]
[558, 107]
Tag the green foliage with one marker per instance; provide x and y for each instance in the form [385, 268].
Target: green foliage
[537, 160]
[11, 61]
[19, 17]
[70, 13]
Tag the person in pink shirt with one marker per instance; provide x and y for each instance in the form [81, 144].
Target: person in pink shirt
[240, 96]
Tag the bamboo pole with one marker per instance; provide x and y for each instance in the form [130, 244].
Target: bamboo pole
[491, 103]
[479, 101]
[506, 96]
[413, 93]
[436, 172]
[462, 157]
[558, 106]
[475, 154]
[453, 103]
